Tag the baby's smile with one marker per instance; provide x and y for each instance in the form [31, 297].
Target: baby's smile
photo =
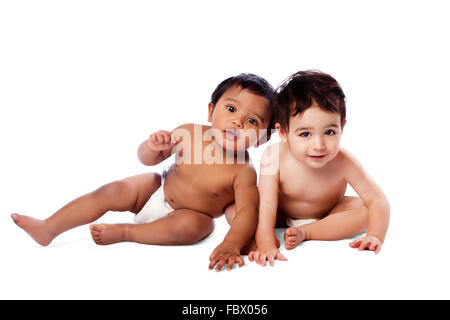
[317, 157]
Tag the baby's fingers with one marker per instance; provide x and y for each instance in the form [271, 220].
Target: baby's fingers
[369, 243]
[212, 264]
[240, 261]
[355, 243]
[164, 138]
[255, 256]
[378, 248]
[375, 246]
[363, 244]
[271, 261]
[220, 264]
[279, 256]
[213, 260]
[232, 260]
[174, 139]
[250, 256]
[262, 260]
[230, 263]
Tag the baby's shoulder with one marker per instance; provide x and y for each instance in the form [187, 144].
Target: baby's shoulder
[191, 126]
[347, 160]
[270, 160]
[191, 130]
[245, 172]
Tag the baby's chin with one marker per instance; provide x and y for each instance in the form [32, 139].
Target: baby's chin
[240, 144]
[235, 147]
[316, 165]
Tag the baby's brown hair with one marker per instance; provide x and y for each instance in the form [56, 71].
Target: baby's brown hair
[303, 89]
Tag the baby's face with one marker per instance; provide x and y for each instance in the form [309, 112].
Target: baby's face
[239, 119]
[314, 136]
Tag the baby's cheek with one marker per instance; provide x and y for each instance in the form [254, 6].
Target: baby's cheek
[297, 151]
[251, 137]
[334, 148]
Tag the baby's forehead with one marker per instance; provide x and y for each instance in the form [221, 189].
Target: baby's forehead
[246, 97]
[237, 92]
[315, 116]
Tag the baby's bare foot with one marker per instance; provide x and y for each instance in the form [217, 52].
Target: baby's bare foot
[293, 236]
[104, 234]
[36, 228]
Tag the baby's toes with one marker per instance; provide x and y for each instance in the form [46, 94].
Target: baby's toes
[289, 243]
[95, 233]
[94, 230]
[290, 232]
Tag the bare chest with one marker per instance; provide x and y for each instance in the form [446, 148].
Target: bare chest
[307, 188]
[308, 192]
[204, 188]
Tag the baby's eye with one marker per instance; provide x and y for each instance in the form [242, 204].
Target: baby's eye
[330, 132]
[305, 134]
[231, 108]
[251, 121]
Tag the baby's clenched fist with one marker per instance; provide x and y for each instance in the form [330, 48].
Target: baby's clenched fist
[162, 140]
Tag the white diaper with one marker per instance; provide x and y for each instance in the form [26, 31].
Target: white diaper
[156, 207]
[291, 222]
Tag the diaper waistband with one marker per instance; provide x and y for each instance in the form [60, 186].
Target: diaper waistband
[164, 174]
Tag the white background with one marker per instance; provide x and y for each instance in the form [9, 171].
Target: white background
[83, 83]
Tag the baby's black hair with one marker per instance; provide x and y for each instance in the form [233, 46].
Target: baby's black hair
[250, 82]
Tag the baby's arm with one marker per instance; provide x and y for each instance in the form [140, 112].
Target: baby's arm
[268, 207]
[157, 147]
[374, 198]
[244, 223]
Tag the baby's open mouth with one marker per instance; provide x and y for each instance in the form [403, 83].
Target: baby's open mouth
[231, 135]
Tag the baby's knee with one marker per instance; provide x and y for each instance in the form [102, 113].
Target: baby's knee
[362, 211]
[190, 231]
[357, 206]
[354, 203]
[230, 213]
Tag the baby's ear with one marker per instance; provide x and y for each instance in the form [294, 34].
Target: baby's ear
[281, 132]
[343, 125]
[210, 111]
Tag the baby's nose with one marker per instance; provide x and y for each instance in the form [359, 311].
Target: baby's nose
[319, 144]
[238, 123]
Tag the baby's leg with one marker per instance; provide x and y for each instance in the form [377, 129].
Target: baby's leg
[129, 194]
[347, 218]
[180, 227]
[230, 212]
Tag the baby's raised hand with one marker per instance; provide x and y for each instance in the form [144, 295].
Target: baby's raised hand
[261, 255]
[162, 140]
[368, 242]
[225, 254]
